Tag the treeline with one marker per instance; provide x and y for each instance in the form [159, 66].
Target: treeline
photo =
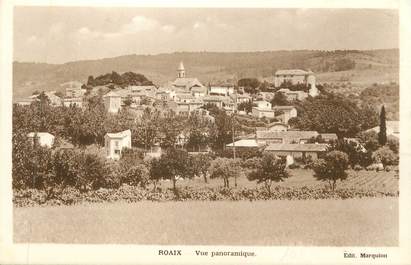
[125, 79]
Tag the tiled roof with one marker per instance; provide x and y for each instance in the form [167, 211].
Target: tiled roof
[244, 143]
[186, 82]
[286, 134]
[297, 147]
[329, 136]
[119, 134]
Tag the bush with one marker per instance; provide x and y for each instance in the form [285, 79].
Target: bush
[358, 167]
[385, 156]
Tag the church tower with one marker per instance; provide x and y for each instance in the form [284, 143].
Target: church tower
[181, 73]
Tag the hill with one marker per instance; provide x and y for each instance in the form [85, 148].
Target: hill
[362, 67]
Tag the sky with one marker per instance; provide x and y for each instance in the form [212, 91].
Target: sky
[64, 34]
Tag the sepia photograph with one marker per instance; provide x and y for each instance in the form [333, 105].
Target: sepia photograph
[206, 126]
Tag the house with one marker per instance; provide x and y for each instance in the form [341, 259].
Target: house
[25, 101]
[283, 78]
[293, 151]
[186, 108]
[73, 89]
[184, 97]
[274, 127]
[218, 101]
[44, 139]
[262, 104]
[199, 92]
[293, 95]
[284, 137]
[72, 102]
[221, 90]
[393, 128]
[268, 96]
[115, 142]
[284, 113]
[112, 102]
[240, 98]
[262, 112]
[243, 144]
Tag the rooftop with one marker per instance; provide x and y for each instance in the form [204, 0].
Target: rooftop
[292, 72]
[286, 134]
[297, 147]
[119, 134]
[244, 143]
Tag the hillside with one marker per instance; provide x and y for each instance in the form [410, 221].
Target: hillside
[370, 67]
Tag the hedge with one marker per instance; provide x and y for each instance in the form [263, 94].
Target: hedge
[70, 196]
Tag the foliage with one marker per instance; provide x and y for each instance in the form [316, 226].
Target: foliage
[126, 79]
[382, 134]
[137, 175]
[333, 114]
[271, 168]
[200, 165]
[355, 151]
[385, 156]
[279, 99]
[245, 106]
[369, 140]
[250, 84]
[225, 168]
[332, 168]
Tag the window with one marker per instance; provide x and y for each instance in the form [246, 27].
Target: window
[117, 151]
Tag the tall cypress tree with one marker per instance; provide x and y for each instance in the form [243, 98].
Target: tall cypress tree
[382, 135]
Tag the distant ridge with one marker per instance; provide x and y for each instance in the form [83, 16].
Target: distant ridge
[369, 66]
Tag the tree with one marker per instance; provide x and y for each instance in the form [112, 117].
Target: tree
[200, 164]
[369, 140]
[382, 134]
[332, 168]
[385, 156]
[174, 164]
[355, 151]
[225, 168]
[245, 106]
[270, 168]
[279, 100]
[137, 175]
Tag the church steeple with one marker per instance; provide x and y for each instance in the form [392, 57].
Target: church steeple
[181, 73]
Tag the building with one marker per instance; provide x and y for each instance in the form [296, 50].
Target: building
[219, 101]
[114, 143]
[186, 108]
[72, 102]
[293, 95]
[243, 144]
[182, 83]
[73, 89]
[393, 128]
[299, 151]
[221, 90]
[112, 102]
[274, 127]
[44, 139]
[25, 101]
[290, 137]
[240, 98]
[283, 78]
[262, 112]
[284, 113]
[262, 104]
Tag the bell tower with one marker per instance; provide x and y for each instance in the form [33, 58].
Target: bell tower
[181, 73]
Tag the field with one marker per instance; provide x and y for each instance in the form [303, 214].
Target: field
[377, 181]
[357, 222]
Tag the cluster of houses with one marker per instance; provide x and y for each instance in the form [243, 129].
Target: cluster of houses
[186, 95]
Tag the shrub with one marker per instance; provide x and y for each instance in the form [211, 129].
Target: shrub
[331, 168]
[357, 168]
[137, 175]
[385, 156]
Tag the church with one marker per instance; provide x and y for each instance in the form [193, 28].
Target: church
[184, 84]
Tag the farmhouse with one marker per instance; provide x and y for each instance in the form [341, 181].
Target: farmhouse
[112, 102]
[284, 137]
[293, 95]
[293, 151]
[44, 139]
[25, 101]
[240, 98]
[115, 142]
[218, 101]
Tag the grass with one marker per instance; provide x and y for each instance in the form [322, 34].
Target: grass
[356, 222]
